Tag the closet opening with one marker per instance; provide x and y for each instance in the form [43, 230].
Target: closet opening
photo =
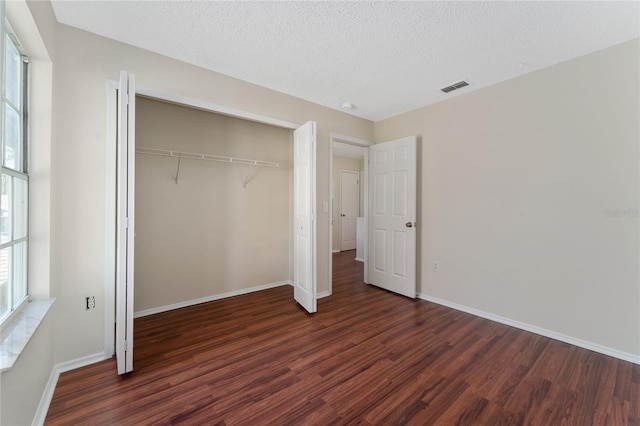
[215, 194]
[214, 206]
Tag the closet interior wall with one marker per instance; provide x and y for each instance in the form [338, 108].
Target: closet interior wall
[209, 234]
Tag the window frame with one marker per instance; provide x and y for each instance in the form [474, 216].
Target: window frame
[19, 173]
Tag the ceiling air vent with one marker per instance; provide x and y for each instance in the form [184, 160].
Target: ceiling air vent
[455, 86]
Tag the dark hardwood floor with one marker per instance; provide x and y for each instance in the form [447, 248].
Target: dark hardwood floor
[367, 357]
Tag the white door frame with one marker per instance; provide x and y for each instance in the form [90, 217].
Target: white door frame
[334, 137]
[110, 183]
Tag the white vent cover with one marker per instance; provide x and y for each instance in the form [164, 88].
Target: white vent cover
[455, 86]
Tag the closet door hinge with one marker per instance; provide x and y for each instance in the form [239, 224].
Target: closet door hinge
[126, 345]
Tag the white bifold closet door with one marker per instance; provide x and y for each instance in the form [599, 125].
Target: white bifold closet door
[304, 264]
[126, 222]
[392, 216]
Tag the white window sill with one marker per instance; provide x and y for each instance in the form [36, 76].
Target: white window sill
[15, 337]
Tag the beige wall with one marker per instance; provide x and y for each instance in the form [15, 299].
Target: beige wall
[208, 235]
[84, 63]
[515, 182]
[21, 387]
[341, 163]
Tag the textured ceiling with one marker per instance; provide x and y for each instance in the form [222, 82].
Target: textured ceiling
[383, 57]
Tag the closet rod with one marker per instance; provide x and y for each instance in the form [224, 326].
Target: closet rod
[208, 157]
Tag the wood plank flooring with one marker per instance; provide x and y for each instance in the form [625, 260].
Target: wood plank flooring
[367, 357]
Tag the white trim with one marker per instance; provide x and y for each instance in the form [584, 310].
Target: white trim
[359, 259]
[192, 302]
[110, 221]
[335, 137]
[323, 294]
[50, 387]
[219, 109]
[625, 356]
[45, 399]
[63, 367]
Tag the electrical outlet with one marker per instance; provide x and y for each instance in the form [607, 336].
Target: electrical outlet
[436, 266]
[91, 302]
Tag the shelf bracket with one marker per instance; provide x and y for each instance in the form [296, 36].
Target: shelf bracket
[248, 176]
[178, 169]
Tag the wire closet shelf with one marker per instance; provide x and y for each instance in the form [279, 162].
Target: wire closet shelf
[206, 157]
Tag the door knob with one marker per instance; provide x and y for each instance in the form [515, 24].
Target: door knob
[343, 215]
[408, 224]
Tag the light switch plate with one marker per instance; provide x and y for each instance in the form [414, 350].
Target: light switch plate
[325, 207]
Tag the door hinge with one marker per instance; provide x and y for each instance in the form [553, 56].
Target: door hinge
[126, 346]
[125, 98]
[126, 222]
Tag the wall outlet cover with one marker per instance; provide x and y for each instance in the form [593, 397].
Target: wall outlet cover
[91, 302]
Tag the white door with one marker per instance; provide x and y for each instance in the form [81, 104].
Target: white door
[349, 205]
[304, 265]
[392, 216]
[126, 230]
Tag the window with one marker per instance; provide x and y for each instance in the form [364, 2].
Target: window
[14, 178]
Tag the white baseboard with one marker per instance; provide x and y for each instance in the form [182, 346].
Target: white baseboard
[323, 294]
[192, 302]
[359, 259]
[45, 399]
[63, 367]
[625, 356]
[50, 387]
[335, 251]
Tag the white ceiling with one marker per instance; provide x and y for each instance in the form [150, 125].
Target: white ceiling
[383, 57]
